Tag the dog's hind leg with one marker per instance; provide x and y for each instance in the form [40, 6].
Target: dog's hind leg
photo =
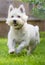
[31, 48]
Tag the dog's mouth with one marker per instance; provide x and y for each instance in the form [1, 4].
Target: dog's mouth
[15, 24]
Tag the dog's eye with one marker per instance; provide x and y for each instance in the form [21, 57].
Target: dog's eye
[12, 16]
[18, 16]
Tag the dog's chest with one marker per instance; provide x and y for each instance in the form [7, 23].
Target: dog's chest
[19, 36]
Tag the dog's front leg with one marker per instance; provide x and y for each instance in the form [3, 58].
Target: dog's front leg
[11, 45]
[21, 46]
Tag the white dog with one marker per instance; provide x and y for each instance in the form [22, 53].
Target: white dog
[26, 35]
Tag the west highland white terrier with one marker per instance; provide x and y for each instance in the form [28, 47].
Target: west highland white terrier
[26, 35]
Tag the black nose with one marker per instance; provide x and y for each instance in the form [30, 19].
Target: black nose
[14, 21]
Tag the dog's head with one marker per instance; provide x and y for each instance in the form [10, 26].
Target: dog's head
[16, 16]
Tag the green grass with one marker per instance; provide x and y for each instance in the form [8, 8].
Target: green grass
[36, 58]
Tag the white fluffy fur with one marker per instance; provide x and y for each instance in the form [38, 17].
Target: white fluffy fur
[26, 35]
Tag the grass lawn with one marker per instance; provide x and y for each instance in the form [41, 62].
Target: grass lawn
[36, 58]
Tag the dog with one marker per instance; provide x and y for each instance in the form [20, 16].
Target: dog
[26, 35]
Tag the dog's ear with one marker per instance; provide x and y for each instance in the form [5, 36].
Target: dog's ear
[10, 8]
[22, 9]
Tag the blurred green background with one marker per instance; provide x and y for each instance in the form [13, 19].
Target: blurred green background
[38, 9]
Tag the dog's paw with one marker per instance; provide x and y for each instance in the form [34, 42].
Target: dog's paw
[11, 51]
[17, 51]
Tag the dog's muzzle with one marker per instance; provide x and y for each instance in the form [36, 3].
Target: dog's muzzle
[17, 26]
[14, 22]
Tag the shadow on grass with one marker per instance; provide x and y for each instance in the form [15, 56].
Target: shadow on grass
[17, 55]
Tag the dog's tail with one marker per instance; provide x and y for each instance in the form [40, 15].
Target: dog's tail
[37, 33]
[36, 28]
